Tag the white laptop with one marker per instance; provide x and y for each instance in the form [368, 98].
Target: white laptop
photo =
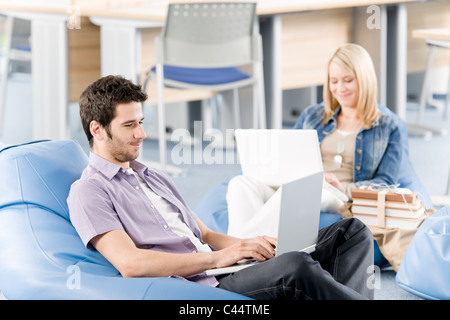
[291, 160]
[277, 156]
[298, 222]
[262, 156]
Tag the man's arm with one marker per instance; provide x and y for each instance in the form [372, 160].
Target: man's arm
[117, 247]
[231, 249]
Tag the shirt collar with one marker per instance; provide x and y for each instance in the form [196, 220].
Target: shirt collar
[333, 118]
[137, 166]
[338, 109]
[109, 169]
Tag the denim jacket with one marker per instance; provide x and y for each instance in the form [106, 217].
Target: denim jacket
[378, 150]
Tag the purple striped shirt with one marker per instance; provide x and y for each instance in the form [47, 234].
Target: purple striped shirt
[108, 198]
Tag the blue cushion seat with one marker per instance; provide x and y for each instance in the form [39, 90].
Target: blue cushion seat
[425, 268]
[203, 76]
[41, 254]
[24, 48]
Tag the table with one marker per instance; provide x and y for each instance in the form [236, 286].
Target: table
[120, 35]
[127, 21]
[432, 34]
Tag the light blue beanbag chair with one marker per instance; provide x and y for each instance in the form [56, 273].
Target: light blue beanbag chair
[41, 254]
[425, 268]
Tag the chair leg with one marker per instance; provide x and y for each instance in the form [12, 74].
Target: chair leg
[236, 109]
[255, 106]
[5, 70]
[447, 97]
[215, 111]
[425, 85]
[161, 117]
[262, 108]
[448, 183]
[261, 97]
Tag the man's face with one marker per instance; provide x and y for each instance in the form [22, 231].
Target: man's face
[125, 134]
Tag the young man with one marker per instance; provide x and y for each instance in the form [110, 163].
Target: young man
[135, 217]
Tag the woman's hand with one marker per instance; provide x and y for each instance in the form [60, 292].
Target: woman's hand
[333, 180]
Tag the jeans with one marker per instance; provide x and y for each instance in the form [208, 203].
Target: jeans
[337, 270]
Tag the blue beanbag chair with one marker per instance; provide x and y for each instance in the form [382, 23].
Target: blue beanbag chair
[41, 254]
[425, 268]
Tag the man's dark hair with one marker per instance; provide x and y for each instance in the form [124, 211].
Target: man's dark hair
[99, 100]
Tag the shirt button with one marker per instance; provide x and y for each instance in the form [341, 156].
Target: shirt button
[194, 251]
[358, 168]
[152, 206]
[165, 226]
[137, 187]
[358, 137]
[359, 150]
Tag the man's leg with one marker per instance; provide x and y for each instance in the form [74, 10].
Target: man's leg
[290, 276]
[344, 252]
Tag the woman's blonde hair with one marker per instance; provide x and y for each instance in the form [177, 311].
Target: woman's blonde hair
[355, 60]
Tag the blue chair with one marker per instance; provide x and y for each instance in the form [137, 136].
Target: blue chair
[41, 254]
[425, 268]
[209, 46]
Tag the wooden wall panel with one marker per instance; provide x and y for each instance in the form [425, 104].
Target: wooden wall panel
[308, 41]
[84, 57]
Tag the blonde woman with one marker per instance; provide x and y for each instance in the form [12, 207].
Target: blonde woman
[360, 142]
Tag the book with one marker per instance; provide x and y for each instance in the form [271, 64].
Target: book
[390, 196]
[389, 204]
[402, 223]
[389, 212]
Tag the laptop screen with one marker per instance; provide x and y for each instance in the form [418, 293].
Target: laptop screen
[277, 156]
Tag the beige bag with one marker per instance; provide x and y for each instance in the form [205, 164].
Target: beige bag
[393, 243]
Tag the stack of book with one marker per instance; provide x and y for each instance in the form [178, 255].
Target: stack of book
[404, 211]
